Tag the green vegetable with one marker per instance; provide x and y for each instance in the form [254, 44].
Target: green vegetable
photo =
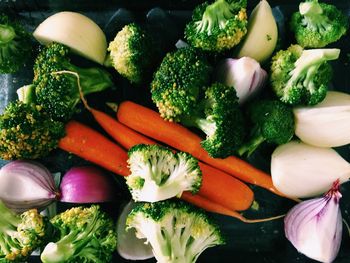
[178, 82]
[58, 94]
[302, 76]
[15, 45]
[273, 122]
[157, 173]
[177, 231]
[84, 235]
[132, 53]
[27, 132]
[219, 117]
[318, 24]
[21, 234]
[217, 26]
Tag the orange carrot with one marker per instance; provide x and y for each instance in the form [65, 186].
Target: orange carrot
[217, 185]
[149, 123]
[94, 147]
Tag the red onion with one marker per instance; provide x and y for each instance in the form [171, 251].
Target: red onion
[314, 227]
[25, 185]
[86, 184]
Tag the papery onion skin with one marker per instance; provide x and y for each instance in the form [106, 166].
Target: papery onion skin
[87, 184]
[314, 227]
[25, 185]
[244, 74]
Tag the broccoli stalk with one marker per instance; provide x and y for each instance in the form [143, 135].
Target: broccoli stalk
[219, 117]
[20, 234]
[218, 26]
[158, 174]
[177, 231]
[15, 45]
[318, 24]
[84, 235]
[301, 76]
[57, 80]
[272, 122]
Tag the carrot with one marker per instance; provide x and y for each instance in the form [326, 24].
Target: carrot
[149, 123]
[94, 147]
[217, 185]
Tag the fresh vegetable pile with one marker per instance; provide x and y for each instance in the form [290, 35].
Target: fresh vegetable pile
[231, 89]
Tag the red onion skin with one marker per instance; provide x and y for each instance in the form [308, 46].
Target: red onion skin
[310, 213]
[86, 184]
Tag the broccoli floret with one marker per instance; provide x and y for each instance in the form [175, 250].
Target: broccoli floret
[132, 53]
[15, 45]
[220, 118]
[27, 132]
[177, 231]
[21, 234]
[218, 26]
[84, 235]
[178, 81]
[272, 122]
[317, 24]
[302, 76]
[157, 173]
[59, 94]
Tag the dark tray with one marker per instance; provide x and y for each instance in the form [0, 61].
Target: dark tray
[258, 243]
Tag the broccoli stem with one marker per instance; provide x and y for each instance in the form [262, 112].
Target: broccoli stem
[205, 125]
[215, 14]
[313, 17]
[249, 147]
[7, 34]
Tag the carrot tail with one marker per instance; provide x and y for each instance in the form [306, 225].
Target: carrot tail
[216, 185]
[149, 123]
[94, 147]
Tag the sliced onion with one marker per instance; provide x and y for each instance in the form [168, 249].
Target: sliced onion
[25, 185]
[314, 227]
[87, 184]
[128, 245]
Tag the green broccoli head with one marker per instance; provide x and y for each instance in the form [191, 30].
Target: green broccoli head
[132, 53]
[157, 173]
[178, 81]
[83, 235]
[177, 231]
[217, 26]
[21, 234]
[27, 132]
[317, 24]
[58, 93]
[272, 122]
[301, 76]
[220, 118]
[15, 45]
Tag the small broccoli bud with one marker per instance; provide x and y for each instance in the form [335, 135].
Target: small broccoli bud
[157, 173]
[177, 231]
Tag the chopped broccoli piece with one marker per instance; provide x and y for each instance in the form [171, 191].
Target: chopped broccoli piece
[27, 132]
[178, 81]
[21, 234]
[15, 45]
[59, 94]
[84, 235]
[157, 173]
[220, 118]
[318, 24]
[217, 26]
[177, 231]
[132, 53]
[302, 76]
[273, 122]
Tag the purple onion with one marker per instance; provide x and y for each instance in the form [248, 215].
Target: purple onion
[25, 185]
[87, 184]
[314, 227]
